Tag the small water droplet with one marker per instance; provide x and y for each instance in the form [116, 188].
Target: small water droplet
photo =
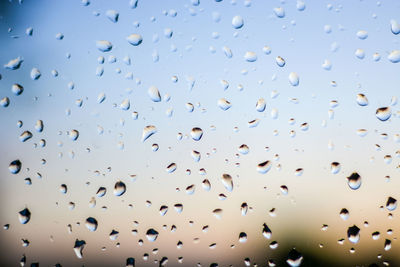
[26, 135]
[242, 237]
[171, 168]
[91, 224]
[391, 204]
[134, 39]
[264, 167]
[227, 181]
[119, 188]
[78, 248]
[353, 234]
[394, 26]
[354, 181]
[24, 216]
[196, 133]
[224, 104]
[112, 15]
[294, 79]
[151, 235]
[154, 94]
[383, 113]
[237, 22]
[335, 167]
[294, 258]
[104, 46]
[362, 100]
[148, 131]
[15, 166]
[73, 135]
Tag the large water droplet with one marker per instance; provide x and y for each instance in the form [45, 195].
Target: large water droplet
[154, 94]
[354, 181]
[237, 22]
[196, 133]
[227, 181]
[104, 46]
[224, 104]
[394, 26]
[151, 235]
[294, 79]
[14, 64]
[25, 136]
[394, 56]
[119, 188]
[294, 258]
[24, 216]
[15, 166]
[148, 131]
[134, 39]
[78, 248]
[91, 224]
[391, 204]
[264, 167]
[383, 113]
[353, 234]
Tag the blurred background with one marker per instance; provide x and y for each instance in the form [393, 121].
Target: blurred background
[97, 73]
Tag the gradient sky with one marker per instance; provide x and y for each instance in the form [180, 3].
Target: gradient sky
[314, 199]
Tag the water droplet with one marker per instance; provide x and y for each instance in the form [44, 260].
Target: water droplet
[206, 185]
[260, 105]
[4, 102]
[104, 46]
[112, 15]
[125, 104]
[78, 248]
[119, 188]
[114, 234]
[151, 235]
[130, 262]
[26, 135]
[134, 39]
[237, 22]
[148, 131]
[391, 204]
[279, 12]
[224, 104]
[227, 181]
[17, 89]
[250, 56]
[163, 210]
[294, 79]
[280, 61]
[63, 189]
[218, 213]
[35, 74]
[253, 123]
[267, 233]
[15, 166]
[171, 168]
[300, 5]
[242, 237]
[91, 224]
[360, 53]
[227, 51]
[353, 234]
[243, 149]
[362, 34]
[196, 155]
[101, 192]
[335, 167]
[190, 189]
[178, 208]
[394, 26]
[154, 94]
[394, 56]
[24, 216]
[354, 181]
[73, 135]
[196, 133]
[376, 235]
[362, 100]
[388, 245]
[264, 167]
[383, 113]
[14, 64]
[294, 258]
[344, 214]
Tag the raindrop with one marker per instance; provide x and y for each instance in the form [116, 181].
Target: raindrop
[14, 64]
[237, 22]
[362, 100]
[112, 15]
[383, 113]
[250, 56]
[260, 105]
[354, 181]
[218, 213]
[17, 89]
[344, 214]
[101, 192]
[35, 74]
[280, 61]
[227, 181]
[294, 79]
[91, 224]
[63, 189]
[391, 204]
[394, 26]
[224, 104]
[353, 234]
[196, 133]
[335, 167]
[25, 136]
[78, 248]
[119, 188]
[163, 210]
[279, 12]
[151, 235]
[154, 94]
[206, 185]
[394, 56]
[73, 135]
[104, 46]
[148, 131]
[24, 216]
[15, 166]
[267, 233]
[134, 39]
[242, 237]
[264, 167]
[243, 149]
[171, 168]
[294, 258]
[362, 34]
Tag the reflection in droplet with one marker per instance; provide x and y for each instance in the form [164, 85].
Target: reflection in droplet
[383, 114]
[353, 234]
[151, 235]
[119, 188]
[294, 258]
[91, 224]
[15, 166]
[354, 181]
[264, 167]
[24, 216]
[196, 133]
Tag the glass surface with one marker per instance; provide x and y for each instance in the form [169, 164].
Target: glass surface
[199, 133]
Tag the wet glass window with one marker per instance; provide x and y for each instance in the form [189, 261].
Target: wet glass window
[199, 133]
